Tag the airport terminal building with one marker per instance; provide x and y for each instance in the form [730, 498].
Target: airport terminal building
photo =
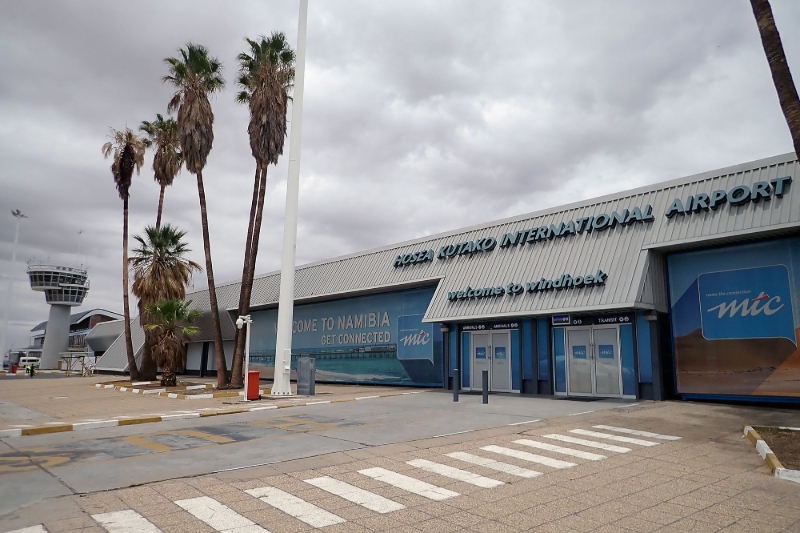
[686, 288]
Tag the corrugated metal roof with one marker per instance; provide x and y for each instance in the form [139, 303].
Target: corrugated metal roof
[629, 254]
[77, 317]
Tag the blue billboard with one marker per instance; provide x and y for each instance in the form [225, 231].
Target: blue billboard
[374, 339]
[734, 327]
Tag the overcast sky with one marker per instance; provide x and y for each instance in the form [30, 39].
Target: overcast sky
[420, 117]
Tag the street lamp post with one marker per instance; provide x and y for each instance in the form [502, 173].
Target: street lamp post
[19, 216]
[281, 384]
[241, 321]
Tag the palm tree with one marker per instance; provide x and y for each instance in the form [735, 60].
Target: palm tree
[168, 315]
[781, 75]
[196, 75]
[266, 75]
[127, 151]
[160, 272]
[163, 135]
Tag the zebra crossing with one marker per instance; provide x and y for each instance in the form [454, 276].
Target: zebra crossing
[223, 519]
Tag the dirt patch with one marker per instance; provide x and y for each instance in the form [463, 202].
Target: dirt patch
[785, 444]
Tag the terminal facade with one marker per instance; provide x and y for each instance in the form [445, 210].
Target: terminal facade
[685, 288]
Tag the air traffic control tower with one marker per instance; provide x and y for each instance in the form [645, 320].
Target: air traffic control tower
[63, 287]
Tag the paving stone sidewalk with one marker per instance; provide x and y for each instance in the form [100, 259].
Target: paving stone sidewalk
[34, 402]
[708, 479]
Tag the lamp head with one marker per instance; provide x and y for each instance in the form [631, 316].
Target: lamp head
[239, 323]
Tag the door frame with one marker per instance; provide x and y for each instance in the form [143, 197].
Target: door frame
[618, 348]
[475, 383]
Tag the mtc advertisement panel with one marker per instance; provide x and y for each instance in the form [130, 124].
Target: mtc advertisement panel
[366, 339]
[735, 319]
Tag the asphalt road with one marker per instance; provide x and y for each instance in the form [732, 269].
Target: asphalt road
[35, 468]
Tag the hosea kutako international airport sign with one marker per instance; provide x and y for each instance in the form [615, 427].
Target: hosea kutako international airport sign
[737, 196]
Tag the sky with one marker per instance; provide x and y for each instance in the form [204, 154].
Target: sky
[419, 117]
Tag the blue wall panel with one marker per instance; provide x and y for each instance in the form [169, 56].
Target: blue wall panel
[516, 382]
[643, 348]
[628, 371]
[527, 349]
[560, 361]
[454, 354]
[465, 359]
[543, 352]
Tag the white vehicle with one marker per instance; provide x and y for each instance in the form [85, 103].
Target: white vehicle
[25, 361]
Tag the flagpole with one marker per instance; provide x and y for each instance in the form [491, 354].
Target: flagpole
[281, 385]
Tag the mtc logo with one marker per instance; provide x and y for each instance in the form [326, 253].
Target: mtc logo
[749, 303]
[416, 339]
[769, 306]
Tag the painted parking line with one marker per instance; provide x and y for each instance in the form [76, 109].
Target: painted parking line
[494, 465]
[364, 498]
[33, 529]
[608, 436]
[530, 457]
[125, 522]
[409, 484]
[218, 516]
[638, 433]
[560, 449]
[456, 473]
[295, 507]
[588, 443]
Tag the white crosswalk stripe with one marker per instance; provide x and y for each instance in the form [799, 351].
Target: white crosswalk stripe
[532, 457]
[588, 443]
[294, 506]
[560, 449]
[125, 522]
[456, 473]
[638, 432]
[608, 436]
[409, 484]
[32, 529]
[359, 496]
[494, 465]
[218, 516]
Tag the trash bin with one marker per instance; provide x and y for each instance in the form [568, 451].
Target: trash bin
[14, 368]
[306, 376]
[253, 385]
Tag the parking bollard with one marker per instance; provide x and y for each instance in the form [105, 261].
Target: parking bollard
[485, 386]
[456, 383]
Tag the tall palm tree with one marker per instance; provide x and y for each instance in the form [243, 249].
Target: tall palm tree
[160, 272]
[127, 152]
[163, 135]
[266, 75]
[781, 75]
[196, 75]
[168, 317]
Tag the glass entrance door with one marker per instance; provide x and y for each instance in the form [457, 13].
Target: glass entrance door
[579, 359]
[500, 375]
[480, 359]
[593, 361]
[606, 361]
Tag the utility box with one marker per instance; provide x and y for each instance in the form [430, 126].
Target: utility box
[306, 376]
[253, 385]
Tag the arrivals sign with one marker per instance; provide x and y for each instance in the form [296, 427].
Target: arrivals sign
[736, 196]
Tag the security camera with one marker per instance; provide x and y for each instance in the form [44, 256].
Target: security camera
[239, 323]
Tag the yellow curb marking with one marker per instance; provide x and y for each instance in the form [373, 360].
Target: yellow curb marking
[143, 440]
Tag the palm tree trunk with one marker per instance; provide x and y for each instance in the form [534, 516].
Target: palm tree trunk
[244, 302]
[160, 205]
[149, 368]
[249, 264]
[781, 75]
[219, 350]
[132, 370]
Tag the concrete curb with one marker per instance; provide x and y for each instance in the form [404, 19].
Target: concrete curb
[133, 420]
[770, 458]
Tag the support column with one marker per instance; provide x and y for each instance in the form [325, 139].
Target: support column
[56, 339]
